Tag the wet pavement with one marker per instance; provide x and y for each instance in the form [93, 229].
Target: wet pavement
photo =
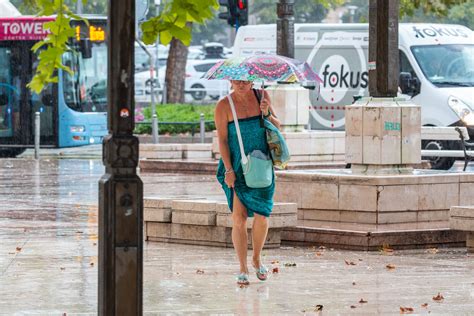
[48, 259]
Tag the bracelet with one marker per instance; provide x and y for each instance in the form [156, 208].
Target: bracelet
[230, 170]
[268, 115]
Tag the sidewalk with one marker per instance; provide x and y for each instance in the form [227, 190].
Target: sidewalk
[48, 259]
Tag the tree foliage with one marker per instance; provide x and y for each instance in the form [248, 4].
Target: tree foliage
[173, 21]
[54, 45]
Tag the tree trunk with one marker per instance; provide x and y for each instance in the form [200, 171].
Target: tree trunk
[176, 71]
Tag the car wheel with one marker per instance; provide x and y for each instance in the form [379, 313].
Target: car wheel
[11, 152]
[439, 163]
[199, 94]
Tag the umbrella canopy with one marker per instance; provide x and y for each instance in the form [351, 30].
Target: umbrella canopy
[269, 68]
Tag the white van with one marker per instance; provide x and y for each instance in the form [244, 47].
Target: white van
[436, 66]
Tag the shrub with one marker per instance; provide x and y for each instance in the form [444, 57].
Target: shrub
[175, 113]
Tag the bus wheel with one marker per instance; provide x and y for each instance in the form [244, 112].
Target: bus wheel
[11, 152]
[439, 163]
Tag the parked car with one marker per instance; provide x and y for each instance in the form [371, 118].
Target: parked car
[195, 85]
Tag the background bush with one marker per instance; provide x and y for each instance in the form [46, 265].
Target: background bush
[174, 113]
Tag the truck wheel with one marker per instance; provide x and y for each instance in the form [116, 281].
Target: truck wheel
[439, 163]
[199, 94]
[11, 152]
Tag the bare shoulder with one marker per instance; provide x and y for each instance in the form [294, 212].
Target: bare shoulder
[222, 107]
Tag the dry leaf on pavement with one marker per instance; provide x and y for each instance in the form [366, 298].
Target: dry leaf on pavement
[387, 250]
[275, 262]
[432, 250]
[318, 254]
[275, 270]
[353, 283]
[199, 271]
[424, 305]
[406, 310]
[350, 263]
[18, 248]
[318, 308]
[438, 297]
[363, 301]
[290, 264]
[353, 306]
[390, 266]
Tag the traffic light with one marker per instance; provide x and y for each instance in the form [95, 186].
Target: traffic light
[237, 12]
[242, 12]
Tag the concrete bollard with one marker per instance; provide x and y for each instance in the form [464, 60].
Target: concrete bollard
[154, 128]
[37, 134]
[202, 127]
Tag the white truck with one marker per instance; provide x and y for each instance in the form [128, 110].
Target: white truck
[436, 70]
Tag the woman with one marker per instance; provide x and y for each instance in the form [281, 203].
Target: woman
[244, 201]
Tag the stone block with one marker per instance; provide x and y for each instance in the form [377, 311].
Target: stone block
[466, 193]
[152, 214]
[397, 198]
[353, 120]
[319, 196]
[358, 217]
[194, 205]
[155, 229]
[411, 134]
[157, 202]
[461, 223]
[438, 196]
[358, 198]
[322, 215]
[191, 154]
[289, 192]
[431, 216]
[353, 148]
[396, 217]
[192, 217]
[462, 211]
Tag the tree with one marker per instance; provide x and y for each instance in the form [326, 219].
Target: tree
[174, 22]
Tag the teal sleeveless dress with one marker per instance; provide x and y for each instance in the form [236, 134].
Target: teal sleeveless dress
[258, 201]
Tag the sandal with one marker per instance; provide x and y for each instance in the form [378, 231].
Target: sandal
[243, 279]
[262, 273]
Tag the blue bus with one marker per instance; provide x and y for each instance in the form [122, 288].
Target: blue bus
[74, 110]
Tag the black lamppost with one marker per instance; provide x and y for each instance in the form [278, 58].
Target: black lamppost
[120, 189]
[285, 28]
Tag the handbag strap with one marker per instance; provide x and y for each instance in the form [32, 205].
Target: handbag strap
[239, 136]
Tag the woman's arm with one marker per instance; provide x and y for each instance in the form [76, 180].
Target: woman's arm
[220, 118]
[266, 107]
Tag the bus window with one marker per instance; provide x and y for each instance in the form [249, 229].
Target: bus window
[85, 90]
[9, 95]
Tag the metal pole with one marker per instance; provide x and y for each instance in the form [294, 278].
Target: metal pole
[79, 7]
[37, 134]
[120, 283]
[154, 127]
[286, 28]
[202, 127]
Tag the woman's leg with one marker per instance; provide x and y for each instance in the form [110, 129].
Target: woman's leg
[239, 233]
[259, 234]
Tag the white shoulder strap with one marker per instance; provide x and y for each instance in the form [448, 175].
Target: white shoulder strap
[239, 136]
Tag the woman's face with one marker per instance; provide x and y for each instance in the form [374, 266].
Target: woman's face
[240, 86]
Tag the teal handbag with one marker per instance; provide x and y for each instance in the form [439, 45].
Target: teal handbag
[257, 167]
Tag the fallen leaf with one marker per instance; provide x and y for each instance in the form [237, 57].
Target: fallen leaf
[322, 247]
[353, 306]
[362, 301]
[350, 263]
[318, 254]
[275, 270]
[438, 297]
[432, 250]
[11, 253]
[178, 274]
[360, 259]
[92, 264]
[353, 283]
[318, 308]
[406, 310]
[94, 244]
[79, 232]
[275, 262]
[386, 249]
[425, 305]
[62, 268]
[199, 271]
[290, 264]
[390, 266]
[18, 248]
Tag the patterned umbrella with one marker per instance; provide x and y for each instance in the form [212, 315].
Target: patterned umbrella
[269, 68]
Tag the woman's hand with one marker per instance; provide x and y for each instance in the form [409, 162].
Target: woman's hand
[265, 105]
[230, 179]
